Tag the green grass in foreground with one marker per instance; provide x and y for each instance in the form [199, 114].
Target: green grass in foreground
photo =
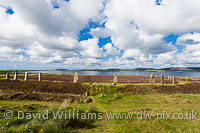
[115, 103]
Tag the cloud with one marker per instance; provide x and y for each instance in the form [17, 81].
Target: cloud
[39, 32]
[99, 32]
[191, 48]
[110, 50]
[172, 16]
[189, 38]
[47, 33]
[8, 53]
[91, 48]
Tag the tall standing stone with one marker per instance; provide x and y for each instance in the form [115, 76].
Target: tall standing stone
[8, 76]
[168, 77]
[115, 78]
[152, 79]
[186, 78]
[174, 80]
[162, 79]
[39, 76]
[26, 76]
[16, 75]
[75, 77]
[137, 74]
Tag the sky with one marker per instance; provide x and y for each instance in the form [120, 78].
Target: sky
[99, 34]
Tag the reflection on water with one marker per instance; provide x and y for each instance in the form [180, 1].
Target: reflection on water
[179, 74]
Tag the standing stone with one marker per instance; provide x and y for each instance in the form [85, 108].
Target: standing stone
[174, 80]
[152, 75]
[8, 76]
[137, 74]
[26, 76]
[75, 77]
[168, 78]
[16, 75]
[152, 79]
[186, 78]
[39, 76]
[115, 78]
[162, 79]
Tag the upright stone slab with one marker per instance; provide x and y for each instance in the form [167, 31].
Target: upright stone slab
[16, 75]
[152, 75]
[152, 79]
[137, 74]
[174, 80]
[8, 76]
[186, 78]
[39, 76]
[115, 78]
[168, 78]
[162, 79]
[26, 76]
[75, 77]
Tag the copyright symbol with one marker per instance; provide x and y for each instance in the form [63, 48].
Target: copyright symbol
[8, 114]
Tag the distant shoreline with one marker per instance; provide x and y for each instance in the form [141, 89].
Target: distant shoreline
[3, 71]
[153, 70]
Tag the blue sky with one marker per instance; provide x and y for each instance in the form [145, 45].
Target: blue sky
[99, 34]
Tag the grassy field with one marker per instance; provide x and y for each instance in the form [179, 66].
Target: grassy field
[147, 107]
[154, 103]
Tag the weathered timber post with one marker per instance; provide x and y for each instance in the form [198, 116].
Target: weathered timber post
[75, 77]
[115, 79]
[16, 75]
[26, 76]
[162, 79]
[174, 80]
[152, 79]
[8, 76]
[39, 76]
